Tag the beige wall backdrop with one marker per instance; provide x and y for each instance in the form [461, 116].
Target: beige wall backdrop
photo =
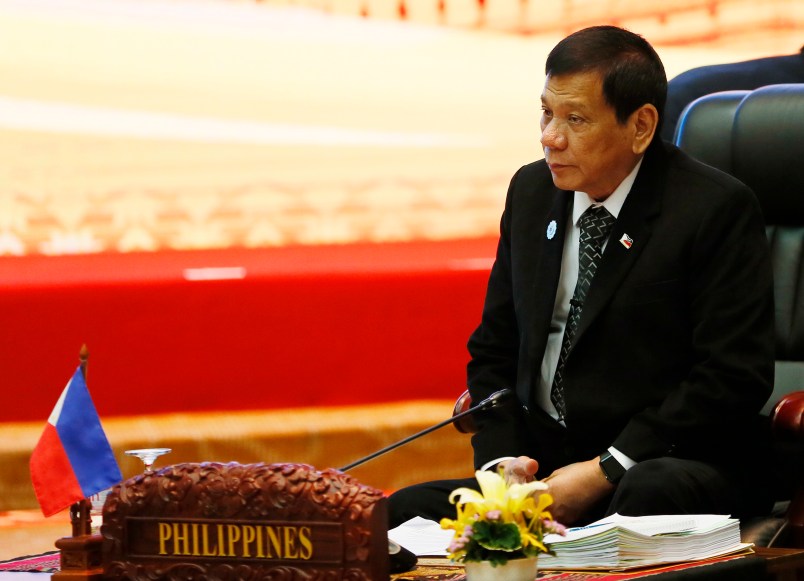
[151, 124]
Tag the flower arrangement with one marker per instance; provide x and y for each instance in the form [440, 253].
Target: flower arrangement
[501, 522]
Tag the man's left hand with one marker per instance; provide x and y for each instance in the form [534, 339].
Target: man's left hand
[575, 489]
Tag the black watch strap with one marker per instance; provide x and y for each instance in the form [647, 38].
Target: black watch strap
[612, 469]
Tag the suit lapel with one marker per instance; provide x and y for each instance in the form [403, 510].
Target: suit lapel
[552, 250]
[635, 222]
[548, 238]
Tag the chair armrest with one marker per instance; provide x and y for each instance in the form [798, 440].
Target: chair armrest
[467, 424]
[787, 419]
[787, 422]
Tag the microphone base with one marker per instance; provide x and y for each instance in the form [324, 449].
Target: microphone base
[401, 559]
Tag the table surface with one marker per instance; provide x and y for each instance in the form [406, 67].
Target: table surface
[778, 561]
[781, 559]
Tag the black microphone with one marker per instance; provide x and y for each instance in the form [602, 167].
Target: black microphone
[490, 402]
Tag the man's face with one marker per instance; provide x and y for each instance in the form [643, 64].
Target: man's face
[585, 147]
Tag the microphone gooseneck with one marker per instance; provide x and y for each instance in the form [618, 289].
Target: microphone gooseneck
[490, 402]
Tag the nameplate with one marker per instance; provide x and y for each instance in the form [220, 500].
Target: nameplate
[236, 521]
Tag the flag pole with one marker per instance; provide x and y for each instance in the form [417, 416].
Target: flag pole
[80, 511]
[83, 358]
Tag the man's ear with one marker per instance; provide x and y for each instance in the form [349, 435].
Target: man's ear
[645, 120]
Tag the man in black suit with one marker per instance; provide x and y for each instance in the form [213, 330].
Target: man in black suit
[638, 392]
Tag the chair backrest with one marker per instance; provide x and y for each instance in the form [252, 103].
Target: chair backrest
[768, 156]
[758, 136]
[704, 128]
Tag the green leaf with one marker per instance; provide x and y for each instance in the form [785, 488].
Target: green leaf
[497, 536]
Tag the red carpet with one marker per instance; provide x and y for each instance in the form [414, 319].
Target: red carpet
[286, 327]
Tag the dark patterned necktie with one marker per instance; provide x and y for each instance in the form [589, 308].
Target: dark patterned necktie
[595, 223]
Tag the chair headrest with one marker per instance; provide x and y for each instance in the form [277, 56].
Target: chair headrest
[768, 150]
[704, 128]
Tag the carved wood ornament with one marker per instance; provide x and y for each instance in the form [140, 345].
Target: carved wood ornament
[245, 522]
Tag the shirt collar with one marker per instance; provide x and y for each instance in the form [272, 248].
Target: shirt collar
[613, 203]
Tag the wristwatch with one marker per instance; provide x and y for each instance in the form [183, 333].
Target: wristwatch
[611, 468]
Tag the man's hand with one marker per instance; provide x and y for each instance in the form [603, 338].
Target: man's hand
[575, 489]
[519, 470]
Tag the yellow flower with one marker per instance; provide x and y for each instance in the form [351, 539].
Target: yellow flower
[496, 494]
[484, 519]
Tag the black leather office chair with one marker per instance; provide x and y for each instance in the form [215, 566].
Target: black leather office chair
[758, 136]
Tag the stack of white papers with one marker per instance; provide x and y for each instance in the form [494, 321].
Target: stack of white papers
[425, 538]
[621, 542]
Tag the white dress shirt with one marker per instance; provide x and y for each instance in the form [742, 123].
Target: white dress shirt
[566, 288]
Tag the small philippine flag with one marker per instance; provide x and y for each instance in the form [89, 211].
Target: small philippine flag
[73, 458]
[626, 241]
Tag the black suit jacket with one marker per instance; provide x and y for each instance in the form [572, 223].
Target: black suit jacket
[674, 352]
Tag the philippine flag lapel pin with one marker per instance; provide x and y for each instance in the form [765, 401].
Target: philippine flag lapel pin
[626, 241]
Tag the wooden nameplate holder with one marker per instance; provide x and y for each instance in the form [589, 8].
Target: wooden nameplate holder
[244, 521]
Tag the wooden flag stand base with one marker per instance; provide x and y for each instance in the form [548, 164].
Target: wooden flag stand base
[80, 554]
